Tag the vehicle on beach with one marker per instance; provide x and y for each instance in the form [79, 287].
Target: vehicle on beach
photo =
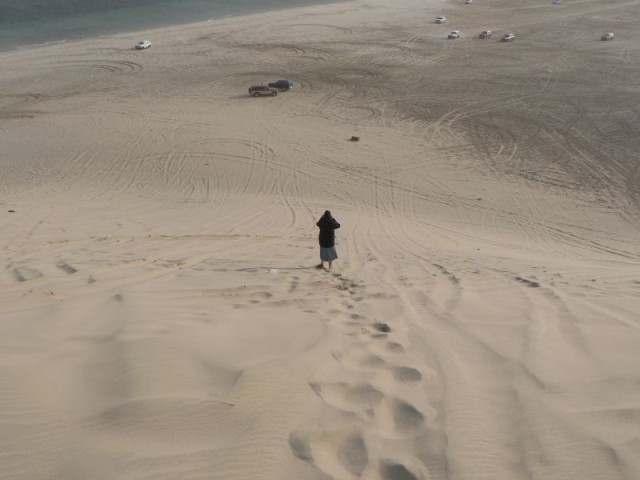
[556, 2]
[508, 37]
[142, 45]
[281, 85]
[468, 2]
[454, 35]
[441, 19]
[257, 90]
[485, 34]
[607, 36]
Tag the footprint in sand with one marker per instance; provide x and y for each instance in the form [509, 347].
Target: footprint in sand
[352, 454]
[340, 451]
[405, 415]
[22, 274]
[66, 267]
[346, 396]
[452, 278]
[528, 282]
[362, 359]
[395, 347]
[406, 374]
[366, 412]
[395, 471]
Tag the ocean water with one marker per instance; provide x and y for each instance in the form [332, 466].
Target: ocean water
[25, 23]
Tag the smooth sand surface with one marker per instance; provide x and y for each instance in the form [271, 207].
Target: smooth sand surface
[160, 313]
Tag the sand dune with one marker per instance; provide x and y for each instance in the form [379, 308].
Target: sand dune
[161, 314]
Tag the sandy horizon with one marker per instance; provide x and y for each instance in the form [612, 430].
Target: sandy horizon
[161, 313]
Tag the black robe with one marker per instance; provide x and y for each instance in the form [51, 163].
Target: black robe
[327, 225]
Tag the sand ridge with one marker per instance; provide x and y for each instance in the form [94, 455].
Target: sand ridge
[161, 314]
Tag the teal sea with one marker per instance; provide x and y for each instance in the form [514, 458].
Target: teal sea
[25, 23]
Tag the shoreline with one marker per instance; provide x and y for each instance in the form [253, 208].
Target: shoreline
[164, 24]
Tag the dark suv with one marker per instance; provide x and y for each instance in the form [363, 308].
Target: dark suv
[257, 90]
[282, 85]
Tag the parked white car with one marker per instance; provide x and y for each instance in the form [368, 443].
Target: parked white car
[468, 2]
[485, 34]
[142, 45]
[607, 36]
[508, 37]
[454, 35]
[441, 19]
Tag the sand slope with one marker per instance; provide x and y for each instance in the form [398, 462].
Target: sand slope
[160, 313]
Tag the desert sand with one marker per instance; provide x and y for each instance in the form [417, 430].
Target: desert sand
[161, 316]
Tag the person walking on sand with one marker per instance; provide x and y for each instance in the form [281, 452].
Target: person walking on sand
[327, 237]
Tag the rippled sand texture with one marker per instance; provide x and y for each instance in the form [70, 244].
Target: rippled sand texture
[161, 316]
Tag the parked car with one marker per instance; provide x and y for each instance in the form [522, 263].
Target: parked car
[441, 19]
[142, 45]
[485, 34]
[468, 2]
[454, 35]
[508, 37]
[607, 36]
[257, 90]
[556, 2]
[281, 85]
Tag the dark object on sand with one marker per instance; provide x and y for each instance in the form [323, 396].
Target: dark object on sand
[327, 238]
[257, 90]
[528, 282]
[282, 85]
[355, 139]
[11, 211]
[382, 327]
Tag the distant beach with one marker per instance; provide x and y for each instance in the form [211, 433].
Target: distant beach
[27, 23]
